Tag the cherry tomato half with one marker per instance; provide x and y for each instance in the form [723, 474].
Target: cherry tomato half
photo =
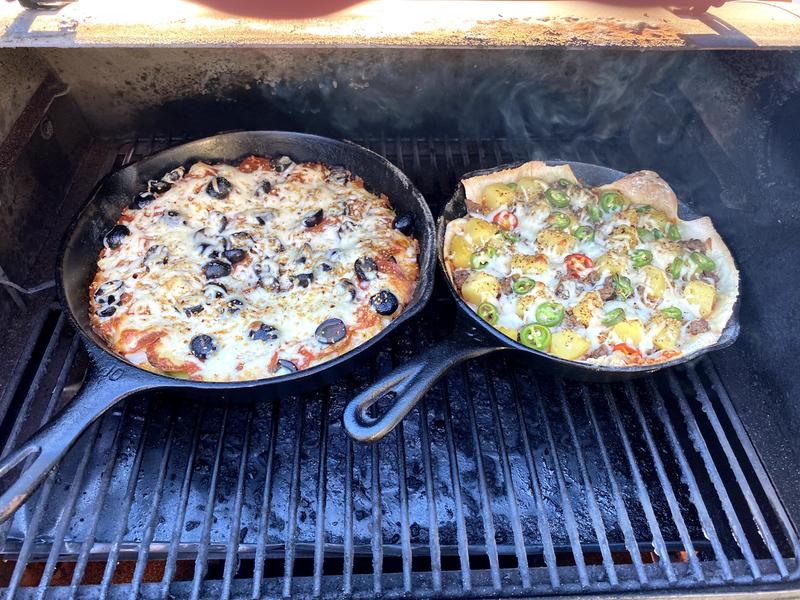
[577, 263]
[506, 220]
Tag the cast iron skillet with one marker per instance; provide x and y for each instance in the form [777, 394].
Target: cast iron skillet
[110, 378]
[473, 337]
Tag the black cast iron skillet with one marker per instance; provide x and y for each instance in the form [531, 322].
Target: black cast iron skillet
[473, 337]
[110, 378]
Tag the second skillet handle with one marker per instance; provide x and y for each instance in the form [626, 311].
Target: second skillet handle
[107, 382]
[407, 384]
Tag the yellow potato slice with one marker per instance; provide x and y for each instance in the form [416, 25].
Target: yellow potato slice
[496, 195]
[702, 295]
[569, 344]
[630, 330]
[460, 252]
[480, 287]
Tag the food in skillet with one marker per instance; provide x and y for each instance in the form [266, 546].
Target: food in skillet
[607, 276]
[231, 273]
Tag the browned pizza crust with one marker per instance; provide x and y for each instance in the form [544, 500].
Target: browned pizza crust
[536, 169]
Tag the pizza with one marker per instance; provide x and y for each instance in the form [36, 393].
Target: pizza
[241, 272]
[607, 275]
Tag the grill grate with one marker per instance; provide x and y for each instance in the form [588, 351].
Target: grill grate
[502, 482]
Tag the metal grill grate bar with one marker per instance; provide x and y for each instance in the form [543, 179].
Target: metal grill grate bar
[700, 444]
[16, 377]
[619, 504]
[105, 481]
[511, 494]
[644, 496]
[541, 517]
[231, 557]
[172, 556]
[503, 484]
[133, 476]
[66, 514]
[430, 492]
[377, 536]
[147, 538]
[201, 562]
[36, 382]
[758, 516]
[47, 487]
[294, 495]
[322, 481]
[486, 511]
[688, 477]
[755, 462]
[461, 528]
[405, 535]
[666, 487]
[266, 497]
[566, 502]
[347, 576]
[594, 509]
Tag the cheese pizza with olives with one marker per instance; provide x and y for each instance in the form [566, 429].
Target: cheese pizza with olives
[607, 275]
[241, 272]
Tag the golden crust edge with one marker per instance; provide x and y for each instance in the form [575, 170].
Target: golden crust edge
[535, 168]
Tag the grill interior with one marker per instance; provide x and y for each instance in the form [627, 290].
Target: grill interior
[503, 482]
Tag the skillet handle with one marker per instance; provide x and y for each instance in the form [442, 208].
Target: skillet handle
[407, 384]
[107, 382]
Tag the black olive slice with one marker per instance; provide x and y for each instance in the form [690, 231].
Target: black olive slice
[330, 331]
[339, 175]
[304, 279]
[313, 218]
[107, 311]
[265, 187]
[235, 255]
[366, 268]
[158, 186]
[141, 200]
[242, 238]
[234, 305]
[320, 270]
[219, 188]
[347, 226]
[404, 223]
[384, 302]
[218, 221]
[262, 332]
[346, 288]
[193, 310]
[265, 216]
[285, 364]
[214, 290]
[282, 163]
[112, 286]
[157, 254]
[202, 346]
[115, 236]
[216, 269]
[174, 175]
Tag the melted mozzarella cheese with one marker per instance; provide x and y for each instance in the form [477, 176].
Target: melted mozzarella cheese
[615, 232]
[203, 263]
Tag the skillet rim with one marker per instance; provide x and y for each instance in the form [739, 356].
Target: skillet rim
[425, 281]
[727, 337]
